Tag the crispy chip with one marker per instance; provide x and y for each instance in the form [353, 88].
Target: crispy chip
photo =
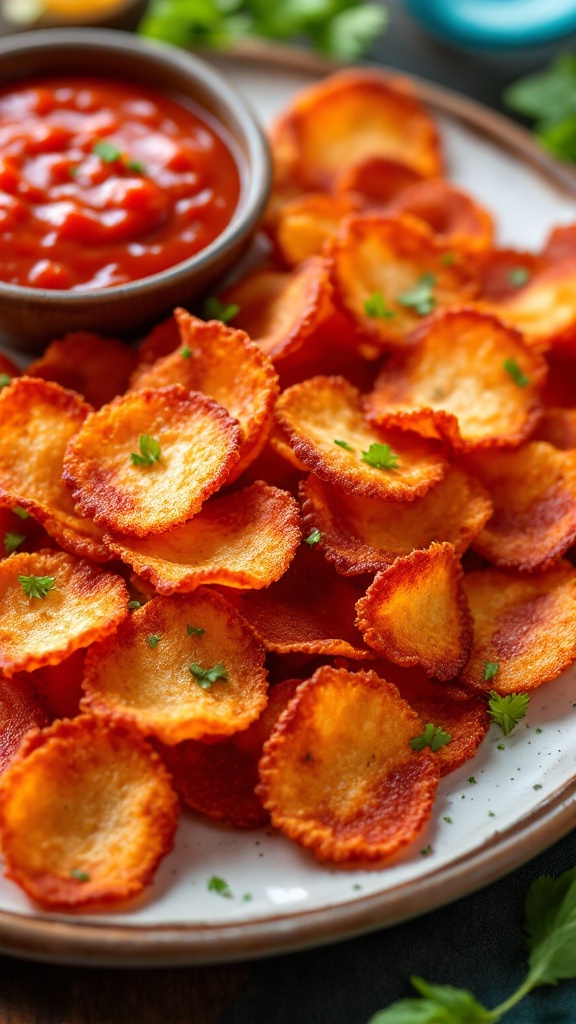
[307, 222]
[338, 774]
[415, 612]
[544, 310]
[224, 364]
[451, 213]
[87, 812]
[61, 685]
[183, 667]
[558, 427]
[252, 739]
[348, 118]
[559, 387]
[534, 493]
[246, 539]
[360, 535]
[466, 379]
[279, 310]
[523, 624]
[561, 244]
[97, 368]
[162, 340]
[21, 709]
[377, 179]
[320, 412]
[37, 420]
[390, 258]
[502, 272]
[199, 444]
[80, 604]
[310, 610]
[17, 534]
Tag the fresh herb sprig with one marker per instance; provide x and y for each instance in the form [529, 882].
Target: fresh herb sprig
[550, 924]
[507, 710]
[548, 97]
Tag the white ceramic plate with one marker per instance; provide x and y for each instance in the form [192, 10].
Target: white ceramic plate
[520, 798]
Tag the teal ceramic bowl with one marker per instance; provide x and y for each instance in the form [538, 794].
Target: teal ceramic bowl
[496, 24]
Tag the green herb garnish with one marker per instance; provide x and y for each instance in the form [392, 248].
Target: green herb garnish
[548, 97]
[186, 352]
[314, 537]
[433, 737]
[149, 452]
[37, 586]
[518, 376]
[5, 380]
[195, 631]
[508, 710]
[80, 876]
[220, 886]
[107, 151]
[12, 541]
[216, 310]
[153, 639]
[206, 676]
[380, 456]
[490, 670]
[518, 276]
[133, 605]
[20, 512]
[344, 444]
[420, 297]
[375, 307]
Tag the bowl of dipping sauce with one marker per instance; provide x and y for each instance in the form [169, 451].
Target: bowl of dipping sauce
[132, 176]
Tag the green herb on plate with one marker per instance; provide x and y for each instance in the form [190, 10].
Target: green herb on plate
[548, 97]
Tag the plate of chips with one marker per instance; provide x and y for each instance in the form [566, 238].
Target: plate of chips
[288, 595]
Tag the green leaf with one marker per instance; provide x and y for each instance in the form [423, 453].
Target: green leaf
[442, 1005]
[153, 640]
[80, 876]
[548, 95]
[550, 920]
[20, 512]
[133, 605]
[490, 670]
[107, 151]
[380, 456]
[206, 676]
[194, 630]
[37, 586]
[5, 380]
[12, 541]
[420, 297]
[150, 451]
[344, 444]
[507, 711]
[314, 537]
[349, 34]
[518, 276]
[375, 307]
[219, 885]
[560, 139]
[216, 310]
[433, 737]
[518, 376]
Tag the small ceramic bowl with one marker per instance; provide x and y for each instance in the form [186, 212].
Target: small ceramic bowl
[30, 317]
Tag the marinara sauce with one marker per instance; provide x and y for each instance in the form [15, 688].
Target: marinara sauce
[103, 182]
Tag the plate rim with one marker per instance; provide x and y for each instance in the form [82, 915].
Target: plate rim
[137, 945]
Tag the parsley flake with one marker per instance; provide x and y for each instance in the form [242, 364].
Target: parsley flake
[433, 737]
[420, 297]
[5, 380]
[206, 676]
[80, 876]
[12, 541]
[472, 780]
[380, 456]
[153, 640]
[508, 710]
[426, 851]
[216, 310]
[490, 670]
[186, 352]
[314, 537]
[107, 151]
[20, 512]
[344, 444]
[448, 820]
[73, 170]
[135, 165]
[448, 259]
[37, 586]
[518, 276]
[220, 886]
[149, 452]
[518, 376]
[376, 308]
[194, 631]
[133, 605]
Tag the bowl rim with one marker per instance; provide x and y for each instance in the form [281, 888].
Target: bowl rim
[256, 181]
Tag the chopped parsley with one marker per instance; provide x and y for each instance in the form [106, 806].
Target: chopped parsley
[107, 151]
[490, 670]
[376, 308]
[448, 259]
[508, 710]
[149, 452]
[216, 310]
[73, 170]
[426, 851]
[380, 456]
[153, 639]
[472, 780]
[433, 737]
[314, 537]
[80, 876]
[194, 630]
[12, 541]
[37, 586]
[20, 512]
[135, 165]
[206, 676]
[344, 444]
[518, 376]
[447, 820]
[420, 297]
[518, 276]
[186, 352]
[220, 886]
[133, 605]
[5, 380]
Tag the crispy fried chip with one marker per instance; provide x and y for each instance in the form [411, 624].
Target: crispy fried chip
[280, 309]
[87, 812]
[18, 534]
[323, 422]
[21, 709]
[51, 604]
[224, 364]
[37, 420]
[558, 427]
[61, 685]
[397, 262]
[467, 379]
[451, 213]
[246, 539]
[362, 807]
[415, 612]
[360, 535]
[560, 244]
[198, 446]
[97, 368]
[544, 310]
[533, 489]
[523, 624]
[377, 180]
[162, 340]
[310, 610]
[307, 222]
[252, 739]
[182, 667]
[348, 118]
[502, 272]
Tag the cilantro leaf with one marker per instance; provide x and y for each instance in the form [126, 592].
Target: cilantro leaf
[344, 444]
[20, 512]
[420, 297]
[206, 676]
[490, 670]
[380, 456]
[550, 921]
[518, 276]
[133, 605]
[547, 96]
[5, 380]
[314, 537]
[150, 452]
[375, 307]
[508, 710]
[194, 631]
[107, 151]
[153, 640]
[12, 541]
[518, 376]
[442, 1004]
[433, 737]
[216, 310]
[220, 886]
[37, 586]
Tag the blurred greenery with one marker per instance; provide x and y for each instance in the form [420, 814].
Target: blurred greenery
[548, 97]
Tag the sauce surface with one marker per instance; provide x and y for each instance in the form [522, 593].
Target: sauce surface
[104, 182]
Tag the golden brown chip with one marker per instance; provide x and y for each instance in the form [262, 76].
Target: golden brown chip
[51, 604]
[451, 213]
[87, 812]
[19, 531]
[348, 118]
[21, 709]
[415, 612]
[533, 489]
[338, 774]
[162, 340]
[37, 420]
[466, 379]
[360, 535]
[97, 368]
[183, 667]
[502, 272]
[377, 180]
[279, 309]
[149, 459]
[252, 739]
[307, 222]
[523, 625]
[558, 427]
[544, 310]
[389, 272]
[224, 364]
[60, 686]
[323, 422]
[246, 539]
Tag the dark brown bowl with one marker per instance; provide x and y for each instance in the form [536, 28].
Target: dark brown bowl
[30, 317]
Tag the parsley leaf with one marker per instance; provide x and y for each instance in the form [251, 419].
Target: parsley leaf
[550, 920]
[380, 456]
[518, 376]
[206, 676]
[344, 444]
[149, 452]
[549, 98]
[420, 297]
[518, 276]
[80, 876]
[20, 512]
[433, 737]
[490, 670]
[186, 352]
[375, 307]
[216, 310]
[37, 586]
[135, 165]
[442, 1004]
[194, 631]
[508, 710]
[12, 541]
[107, 151]
[220, 886]
[5, 380]
[153, 640]
[314, 537]
[133, 605]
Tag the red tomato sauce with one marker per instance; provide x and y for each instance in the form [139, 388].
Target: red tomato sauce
[103, 182]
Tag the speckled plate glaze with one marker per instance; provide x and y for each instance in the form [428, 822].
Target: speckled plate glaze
[514, 799]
